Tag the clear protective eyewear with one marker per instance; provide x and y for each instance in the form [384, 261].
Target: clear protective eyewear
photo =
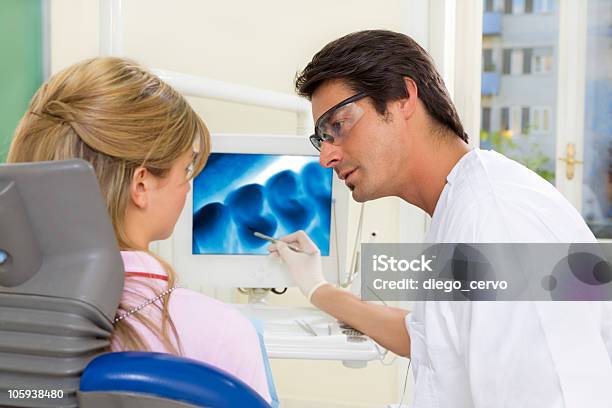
[337, 121]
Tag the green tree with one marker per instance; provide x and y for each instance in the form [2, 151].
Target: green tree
[527, 152]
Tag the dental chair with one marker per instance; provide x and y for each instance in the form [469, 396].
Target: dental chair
[61, 278]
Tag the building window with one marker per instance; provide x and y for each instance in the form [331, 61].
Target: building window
[536, 120]
[516, 67]
[489, 6]
[523, 61]
[485, 126]
[525, 120]
[540, 119]
[506, 61]
[527, 56]
[508, 6]
[518, 6]
[537, 64]
[516, 119]
[542, 64]
[546, 120]
[505, 119]
[543, 6]
[487, 60]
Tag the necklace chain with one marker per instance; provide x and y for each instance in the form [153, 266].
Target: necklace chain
[145, 304]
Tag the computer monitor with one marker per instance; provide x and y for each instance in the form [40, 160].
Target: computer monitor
[265, 183]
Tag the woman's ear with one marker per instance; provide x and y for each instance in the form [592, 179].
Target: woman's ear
[408, 104]
[140, 187]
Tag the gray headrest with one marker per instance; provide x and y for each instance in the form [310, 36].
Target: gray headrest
[56, 238]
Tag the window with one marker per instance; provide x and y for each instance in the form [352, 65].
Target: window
[547, 66]
[525, 95]
[543, 6]
[506, 61]
[540, 119]
[487, 60]
[489, 6]
[516, 67]
[527, 55]
[537, 64]
[516, 61]
[505, 119]
[516, 119]
[542, 64]
[525, 120]
[597, 167]
[486, 119]
[508, 6]
[518, 6]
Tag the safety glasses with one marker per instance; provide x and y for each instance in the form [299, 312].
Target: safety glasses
[336, 123]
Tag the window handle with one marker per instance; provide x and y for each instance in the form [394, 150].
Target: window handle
[570, 160]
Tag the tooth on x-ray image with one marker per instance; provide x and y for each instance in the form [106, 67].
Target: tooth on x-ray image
[276, 195]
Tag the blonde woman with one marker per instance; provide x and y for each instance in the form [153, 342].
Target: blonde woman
[145, 143]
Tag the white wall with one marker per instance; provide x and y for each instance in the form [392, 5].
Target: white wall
[262, 44]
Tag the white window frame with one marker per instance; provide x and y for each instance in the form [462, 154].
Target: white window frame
[571, 89]
[452, 34]
[453, 37]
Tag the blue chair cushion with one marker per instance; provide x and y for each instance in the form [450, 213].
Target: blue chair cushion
[169, 377]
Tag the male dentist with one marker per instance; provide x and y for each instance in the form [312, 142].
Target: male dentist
[386, 124]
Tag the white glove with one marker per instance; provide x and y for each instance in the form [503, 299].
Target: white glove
[305, 267]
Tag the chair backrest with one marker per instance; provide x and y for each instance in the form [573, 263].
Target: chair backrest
[61, 278]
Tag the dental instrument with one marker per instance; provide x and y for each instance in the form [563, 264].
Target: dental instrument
[274, 241]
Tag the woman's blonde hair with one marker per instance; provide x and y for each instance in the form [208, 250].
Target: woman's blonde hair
[118, 116]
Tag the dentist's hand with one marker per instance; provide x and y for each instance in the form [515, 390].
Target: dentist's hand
[304, 267]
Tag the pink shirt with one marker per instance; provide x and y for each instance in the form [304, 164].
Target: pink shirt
[209, 330]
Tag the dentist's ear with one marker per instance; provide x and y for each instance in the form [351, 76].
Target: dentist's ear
[408, 105]
[140, 187]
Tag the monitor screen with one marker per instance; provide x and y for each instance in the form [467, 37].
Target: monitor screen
[237, 194]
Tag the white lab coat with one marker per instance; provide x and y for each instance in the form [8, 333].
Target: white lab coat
[508, 354]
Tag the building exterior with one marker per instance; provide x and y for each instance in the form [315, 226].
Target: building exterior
[519, 81]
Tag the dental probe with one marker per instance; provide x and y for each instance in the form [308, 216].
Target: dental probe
[274, 241]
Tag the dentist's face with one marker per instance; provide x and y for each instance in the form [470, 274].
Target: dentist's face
[366, 158]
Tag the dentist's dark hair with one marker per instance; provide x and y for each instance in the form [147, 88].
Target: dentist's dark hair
[376, 62]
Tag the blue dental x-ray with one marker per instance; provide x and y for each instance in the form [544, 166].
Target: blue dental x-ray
[238, 193]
